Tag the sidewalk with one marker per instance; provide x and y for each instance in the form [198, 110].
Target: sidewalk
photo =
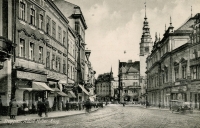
[51, 115]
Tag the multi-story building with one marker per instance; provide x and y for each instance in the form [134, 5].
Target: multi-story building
[172, 66]
[78, 25]
[129, 76]
[7, 44]
[103, 86]
[41, 52]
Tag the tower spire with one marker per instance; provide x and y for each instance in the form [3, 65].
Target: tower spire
[165, 28]
[191, 11]
[145, 10]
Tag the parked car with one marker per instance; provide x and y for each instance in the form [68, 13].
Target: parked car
[180, 106]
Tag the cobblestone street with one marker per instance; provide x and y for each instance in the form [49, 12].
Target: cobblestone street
[120, 117]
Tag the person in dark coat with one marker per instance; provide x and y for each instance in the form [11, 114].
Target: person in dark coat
[87, 106]
[40, 107]
[25, 107]
[46, 103]
[67, 106]
[14, 109]
[1, 107]
[79, 105]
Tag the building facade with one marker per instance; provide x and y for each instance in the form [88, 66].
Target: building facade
[130, 90]
[103, 86]
[172, 66]
[7, 45]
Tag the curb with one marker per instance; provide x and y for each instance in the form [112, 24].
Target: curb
[43, 118]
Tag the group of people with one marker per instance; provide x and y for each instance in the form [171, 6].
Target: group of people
[42, 106]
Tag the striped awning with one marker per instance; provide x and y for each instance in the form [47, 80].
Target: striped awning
[39, 86]
[71, 94]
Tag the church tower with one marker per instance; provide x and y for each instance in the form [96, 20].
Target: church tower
[146, 45]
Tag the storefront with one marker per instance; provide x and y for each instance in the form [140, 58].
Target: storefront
[195, 96]
[29, 90]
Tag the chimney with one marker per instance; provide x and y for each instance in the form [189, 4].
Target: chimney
[129, 61]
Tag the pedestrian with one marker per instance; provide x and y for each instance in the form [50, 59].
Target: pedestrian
[46, 105]
[88, 106]
[14, 109]
[67, 105]
[39, 107]
[79, 106]
[159, 105]
[25, 107]
[1, 107]
[63, 106]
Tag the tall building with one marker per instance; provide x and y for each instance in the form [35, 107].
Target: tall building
[129, 74]
[172, 66]
[145, 49]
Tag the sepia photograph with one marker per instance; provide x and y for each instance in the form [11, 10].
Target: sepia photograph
[99, 63]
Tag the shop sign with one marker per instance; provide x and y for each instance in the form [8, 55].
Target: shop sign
[195, 88]
[31, 76]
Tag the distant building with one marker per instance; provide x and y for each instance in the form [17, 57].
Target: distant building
[129, 76]
[114, 89]
[103, 86]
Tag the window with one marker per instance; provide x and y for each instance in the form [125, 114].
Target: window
[40, 54]
[53, 62]
[22, 10]
[64, 66]
[58, 64]
[126, 91]
[22, 48]
[77, 27]
[64, 34]
[194, 72]
[53, 29]
[32, 16]
[31, 51]
[176, 73]
[40, 21]
[42, 2]
[184, 71]
[59, 34]
[48, 25]
[48, 60]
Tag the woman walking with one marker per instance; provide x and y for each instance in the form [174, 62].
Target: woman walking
[14, 109]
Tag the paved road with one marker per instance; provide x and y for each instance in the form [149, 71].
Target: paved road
[119, 117]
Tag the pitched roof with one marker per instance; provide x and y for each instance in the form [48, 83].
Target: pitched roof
[132, 70]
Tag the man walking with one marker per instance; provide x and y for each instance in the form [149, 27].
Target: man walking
[87, 106]
[46, 103]
[39, 107]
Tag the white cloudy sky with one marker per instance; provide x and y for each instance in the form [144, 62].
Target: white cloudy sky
[115, 26]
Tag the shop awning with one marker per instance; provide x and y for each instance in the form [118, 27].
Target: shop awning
[55, 89]
[28, 89]
[71, 94]
[62, 94]
[83, 89]
[39, 86]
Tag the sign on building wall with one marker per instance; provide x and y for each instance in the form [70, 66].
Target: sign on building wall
[31, 76]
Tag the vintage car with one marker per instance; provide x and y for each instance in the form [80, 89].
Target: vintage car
[181, 106]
